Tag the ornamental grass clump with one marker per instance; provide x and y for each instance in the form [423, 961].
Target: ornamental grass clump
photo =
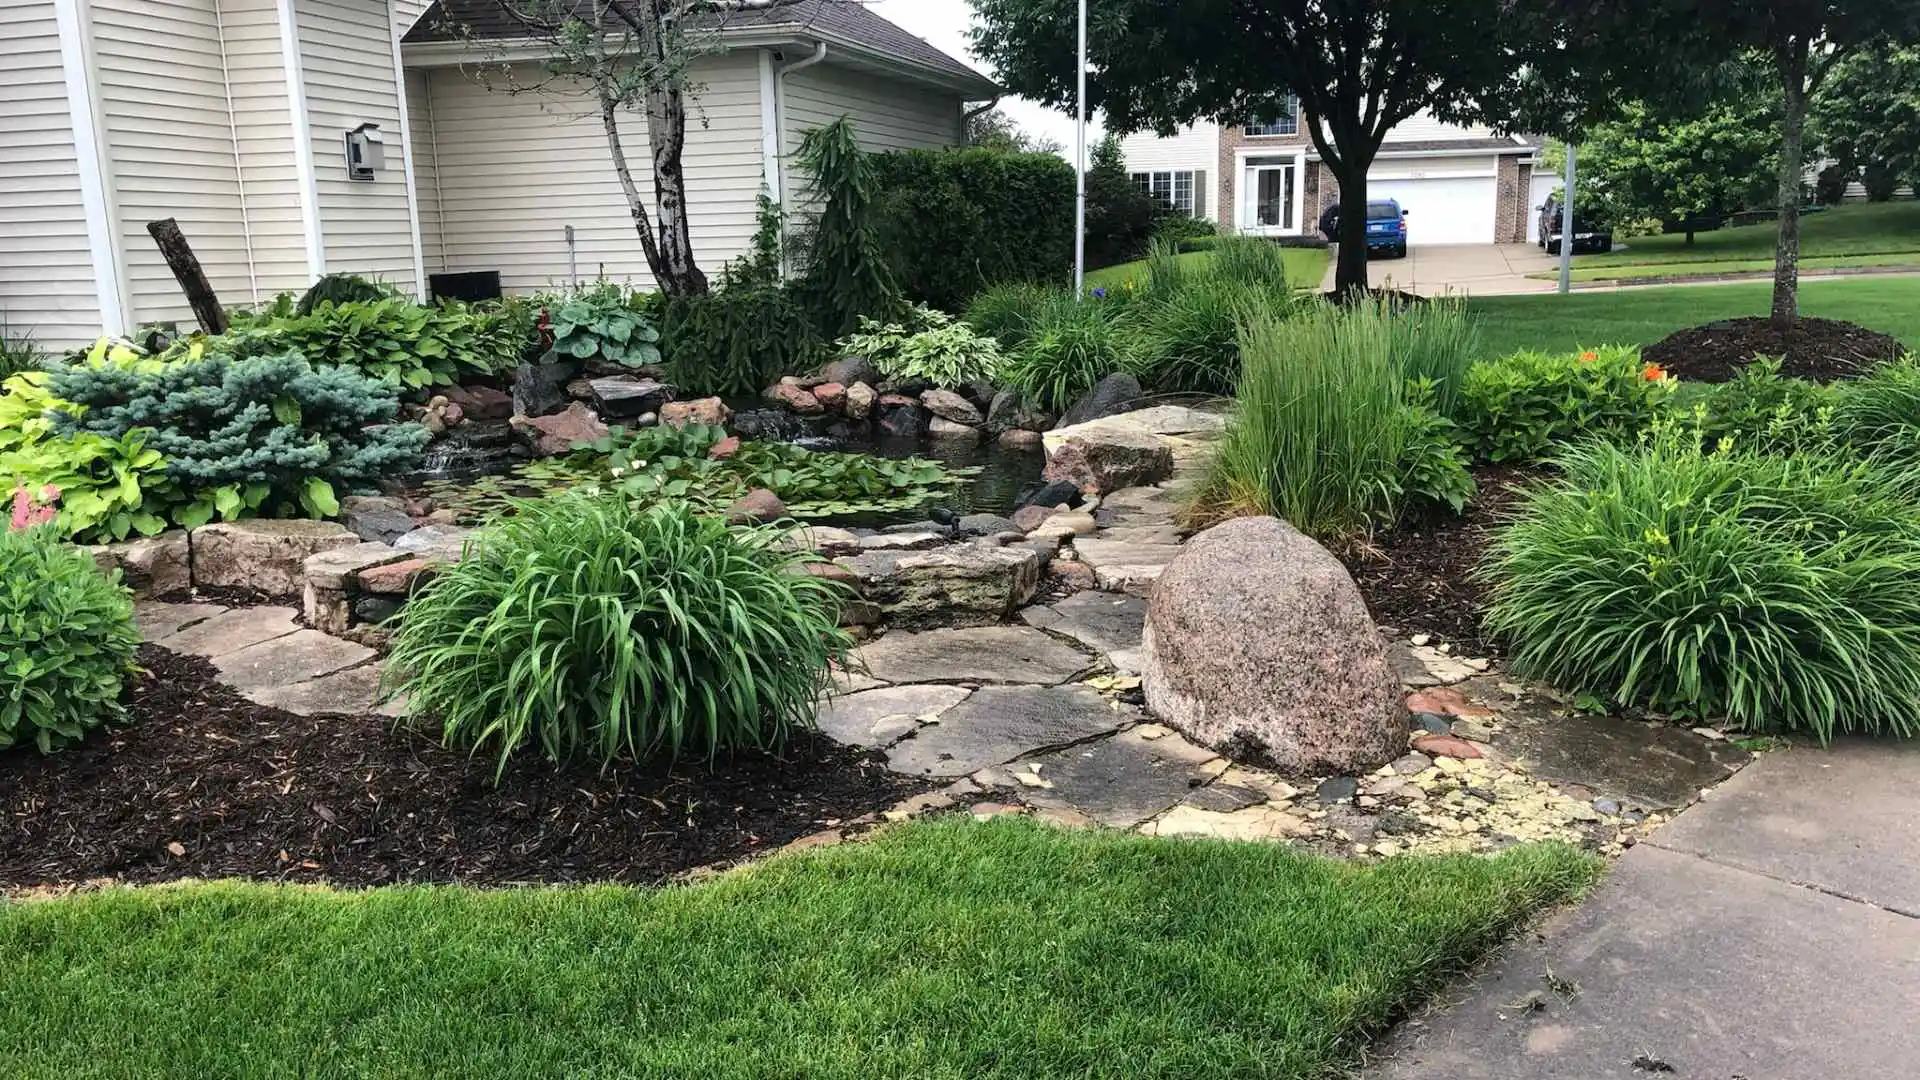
[66, 635]
[592, 628]
[1781, 592]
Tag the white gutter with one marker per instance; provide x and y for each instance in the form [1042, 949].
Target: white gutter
[90, 162]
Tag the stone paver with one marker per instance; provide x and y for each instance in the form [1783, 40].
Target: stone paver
[1259, 822]
[884, 716]
[1122, 781]
[347, 693]
[986, 654]
[1107, 622]
[998, 724]
[232, 631]
[156, 620]
[302, 655]
[1123, 566]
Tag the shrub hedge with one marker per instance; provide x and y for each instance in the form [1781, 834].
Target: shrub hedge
[956, 222]
[66, 641]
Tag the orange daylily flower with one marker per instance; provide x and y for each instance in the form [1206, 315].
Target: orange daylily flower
[1589, 357]
[1654, 373]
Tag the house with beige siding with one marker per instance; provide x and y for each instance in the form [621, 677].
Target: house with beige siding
[235, 118]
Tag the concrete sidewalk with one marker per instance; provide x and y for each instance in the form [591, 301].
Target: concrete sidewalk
[1771, 932]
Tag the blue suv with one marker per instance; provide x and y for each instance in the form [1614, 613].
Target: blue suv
[1386, 227]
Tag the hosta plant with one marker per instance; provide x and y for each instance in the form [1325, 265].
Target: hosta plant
[592, 628]
[932, 346]
[604, 323]
[67, 641]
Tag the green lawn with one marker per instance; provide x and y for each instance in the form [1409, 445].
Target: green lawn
[1906, 261]
[1852, 230]
[1644, 316]
[1306, 268]
[943, 950]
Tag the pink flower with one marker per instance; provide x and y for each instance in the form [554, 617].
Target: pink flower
[27, 513]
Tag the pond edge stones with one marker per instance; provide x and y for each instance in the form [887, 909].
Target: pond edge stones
[1259, 645]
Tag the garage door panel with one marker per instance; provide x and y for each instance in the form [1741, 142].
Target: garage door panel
[1443, 210]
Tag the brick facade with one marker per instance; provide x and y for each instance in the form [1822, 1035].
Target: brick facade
[1512, 201]
[1234, 138]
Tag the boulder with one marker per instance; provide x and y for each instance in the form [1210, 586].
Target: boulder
[972, 584]
[439, 543]
[151, 566]
[794, 399]
[951, 406]
[1029, 518]
[901, 416]
[541, 389]
[1008, 410]
[624, 397]
[1057, 493]
[854, 369]
[1259, 645]
[832, 396]
[756, 507]
[381, 519]
[984, 525]
[394, 578]
[1021, 439]
[860, 399]
[262, 555]
[549, 436]
[708, 412]
[1112, 395]
[480, 402]
[942, 428]
[1099, 462]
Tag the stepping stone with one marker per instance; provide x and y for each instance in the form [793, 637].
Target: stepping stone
[985, 654]
[1105, 622]
[297, 657]
[1122, 567]
[347, 693]
[1260, 822]
[156, 620]
[1123, 781]
[232, 631]
[1000, 723]
[1647, 765]
[882, 717]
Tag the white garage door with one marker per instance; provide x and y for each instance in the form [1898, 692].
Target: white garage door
[1443, 210]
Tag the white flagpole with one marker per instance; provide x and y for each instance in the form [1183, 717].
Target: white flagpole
[1080, 190]
[1566, 229]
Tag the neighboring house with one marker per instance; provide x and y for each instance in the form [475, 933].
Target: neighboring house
[233, 116]
[1459, 185]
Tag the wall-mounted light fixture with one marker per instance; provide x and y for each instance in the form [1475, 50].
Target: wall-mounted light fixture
[366, 152]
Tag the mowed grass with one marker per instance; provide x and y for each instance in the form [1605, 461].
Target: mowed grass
[947, 949]
[1851, 230]
[1891, 261]
[1552, 322]
[1306, 268]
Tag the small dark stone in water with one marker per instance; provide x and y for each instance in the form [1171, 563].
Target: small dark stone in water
[1060, 491]
[374, 610]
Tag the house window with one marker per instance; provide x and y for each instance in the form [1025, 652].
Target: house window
[1175, 188]
[1287, 124]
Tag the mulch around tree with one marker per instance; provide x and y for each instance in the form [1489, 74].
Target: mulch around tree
[1821, 350]
[205, 784]
[1418, 578]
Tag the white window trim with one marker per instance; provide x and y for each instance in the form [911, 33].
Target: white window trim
[1173, 185]
[1241, 205]
[1293, 114]
[103, 246]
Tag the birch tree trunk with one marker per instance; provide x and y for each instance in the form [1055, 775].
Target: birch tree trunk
[672, 258]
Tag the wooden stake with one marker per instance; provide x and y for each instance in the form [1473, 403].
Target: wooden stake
[187, 271]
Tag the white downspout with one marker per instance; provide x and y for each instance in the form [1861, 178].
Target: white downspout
[779, 179]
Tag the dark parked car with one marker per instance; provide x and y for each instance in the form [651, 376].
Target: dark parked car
[1590, 234]
[1386, 227]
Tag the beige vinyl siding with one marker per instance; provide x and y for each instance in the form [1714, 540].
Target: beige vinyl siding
[408, 12]
[163, 99]
[46, 271]
[514, 170]
[888, 114]
[263, 146]
[426, 169]
[346, 56]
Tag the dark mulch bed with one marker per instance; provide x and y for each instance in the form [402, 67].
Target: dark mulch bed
[246, 791]
[1819, 349]
[1417, 579]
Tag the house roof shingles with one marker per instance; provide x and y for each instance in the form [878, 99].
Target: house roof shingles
[848, 20]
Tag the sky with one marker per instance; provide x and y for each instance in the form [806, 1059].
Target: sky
[943, 23]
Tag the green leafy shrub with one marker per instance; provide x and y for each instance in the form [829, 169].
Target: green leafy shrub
[955, 222]
[1331, 434]
[1070, 347]
[265, 434]
[605, 323]
[667, 462]
[391, 339]
[594, 628]
[66, 642]
[1780, 591]
[106, 489]
[1760, 409]
[1525, 406]
[938, 349]
[341, 290]
[1007, 312]
[1121, 218]
[1178, 229]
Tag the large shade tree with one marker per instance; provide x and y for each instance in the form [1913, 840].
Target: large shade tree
[1867, 118]
[1358, 67]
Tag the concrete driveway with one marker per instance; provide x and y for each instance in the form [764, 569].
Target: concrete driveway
[1472, 269]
